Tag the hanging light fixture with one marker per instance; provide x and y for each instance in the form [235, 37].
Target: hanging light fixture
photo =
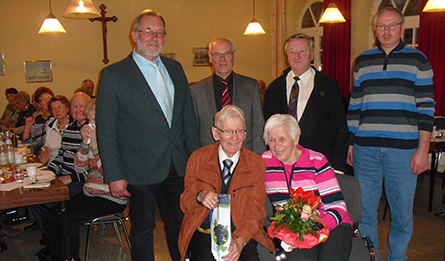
[51, 25]
[332, 15]
[254, 27]
[434, 6]
[81, 9]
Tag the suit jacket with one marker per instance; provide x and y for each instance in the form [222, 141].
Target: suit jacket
[247, 195]
[323, 122]
[245, 95]
[135, 141]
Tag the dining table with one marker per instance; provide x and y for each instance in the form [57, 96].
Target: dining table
[23, 197]
[437, 146]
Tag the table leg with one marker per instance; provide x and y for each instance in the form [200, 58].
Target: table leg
[434, 165]
[65, 229]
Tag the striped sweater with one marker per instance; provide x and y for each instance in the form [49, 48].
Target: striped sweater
[392, 98]
[313, 172]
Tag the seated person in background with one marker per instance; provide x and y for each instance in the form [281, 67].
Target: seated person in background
[9, 117]
[55, 127]
[291, 165]
[89, 85]
[95, 200]
[204, 181]
[26, 109]
[63, 163]
[35, 126]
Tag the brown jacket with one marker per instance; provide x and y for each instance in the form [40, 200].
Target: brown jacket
[247, 193]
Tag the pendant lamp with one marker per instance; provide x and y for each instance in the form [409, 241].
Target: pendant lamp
[51, 25]
[434, 6]
[332, 15]
[254, 27]
[81, 9]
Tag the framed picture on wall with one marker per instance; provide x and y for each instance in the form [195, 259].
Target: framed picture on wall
[168, 55]
[201, 56]
[2, 64]
[38, 71]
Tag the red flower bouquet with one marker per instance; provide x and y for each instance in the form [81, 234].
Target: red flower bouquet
[298, 223]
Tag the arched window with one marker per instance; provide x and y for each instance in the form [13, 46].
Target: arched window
[309, 25]
[411, 11]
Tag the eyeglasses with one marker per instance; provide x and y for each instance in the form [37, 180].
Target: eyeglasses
[57, 108]
[47, 99]
[231, 132]
[391, 27]
[220, 55]
[150, 33]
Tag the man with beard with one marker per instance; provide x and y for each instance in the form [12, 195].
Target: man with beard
[146, 130]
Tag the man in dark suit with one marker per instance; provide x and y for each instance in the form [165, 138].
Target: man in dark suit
[147, 129]
[313, 99]
[226, 87]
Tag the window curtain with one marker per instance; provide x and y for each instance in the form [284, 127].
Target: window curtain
[431, 43]
[337, 48]
[278, 34]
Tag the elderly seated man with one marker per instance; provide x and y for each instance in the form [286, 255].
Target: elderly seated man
[206, 178]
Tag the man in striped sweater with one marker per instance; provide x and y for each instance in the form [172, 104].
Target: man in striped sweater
[390, 120]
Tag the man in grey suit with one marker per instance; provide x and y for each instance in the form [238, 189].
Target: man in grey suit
[146, 128]
[225, 87]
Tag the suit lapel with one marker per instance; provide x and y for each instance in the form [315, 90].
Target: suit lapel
[313, 97]
[210, 95]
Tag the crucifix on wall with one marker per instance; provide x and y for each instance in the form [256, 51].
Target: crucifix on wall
[104, 21]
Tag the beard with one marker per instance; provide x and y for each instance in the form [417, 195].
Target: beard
[148, 51]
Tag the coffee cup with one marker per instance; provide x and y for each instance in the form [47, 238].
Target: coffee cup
[32, 173]
[18, 158]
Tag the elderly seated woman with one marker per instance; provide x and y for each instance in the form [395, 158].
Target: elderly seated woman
[206, 178]
[289, 165]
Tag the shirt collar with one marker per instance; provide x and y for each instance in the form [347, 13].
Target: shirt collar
[222, 156]
[140, 60]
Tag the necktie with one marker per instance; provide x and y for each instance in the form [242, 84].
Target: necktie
[293, 98]
[225, 172]
[226, 99]
[165, 95]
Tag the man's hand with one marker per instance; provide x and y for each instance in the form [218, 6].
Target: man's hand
[419, 161]
[65, 179]
[235, 248]
[118, 189]
[349, 160]
[208, 199]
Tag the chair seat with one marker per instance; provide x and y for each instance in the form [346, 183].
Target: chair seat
[105, 219]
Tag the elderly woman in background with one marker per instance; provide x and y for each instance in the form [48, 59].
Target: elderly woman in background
[23, 103]
[35, 126]
[291, 165]
[96, 199]
[60, 108]
[9, 117]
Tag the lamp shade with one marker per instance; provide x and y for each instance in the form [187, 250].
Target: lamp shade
[254, 28]
[434, 6]
[51, 26]
[332, 15]
[81, 9]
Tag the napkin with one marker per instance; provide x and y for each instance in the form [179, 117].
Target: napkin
[10, 186]
[39, 185]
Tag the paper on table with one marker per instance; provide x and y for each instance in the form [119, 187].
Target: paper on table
[40, 185]
[10, 186]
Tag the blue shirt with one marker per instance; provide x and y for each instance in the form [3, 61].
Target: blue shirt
[149, 72]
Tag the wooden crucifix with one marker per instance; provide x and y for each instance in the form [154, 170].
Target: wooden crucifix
[104, 21]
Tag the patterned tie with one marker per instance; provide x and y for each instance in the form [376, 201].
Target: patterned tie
[226, 99]
[165, 95]
[226, 170]
[293, 99]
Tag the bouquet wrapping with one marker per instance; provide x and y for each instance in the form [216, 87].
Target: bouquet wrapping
[297, 222]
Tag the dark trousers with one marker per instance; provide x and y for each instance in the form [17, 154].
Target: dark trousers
[200, 249]
[143, 201]
[336, 248]
[78, 209]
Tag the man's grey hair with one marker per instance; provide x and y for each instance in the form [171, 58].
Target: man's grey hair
[300, 36]
[229, 111]
[285, 121]
[147, 12]
[222, 39]
[391, 9]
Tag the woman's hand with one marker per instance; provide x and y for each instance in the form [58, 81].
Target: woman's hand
[30, 120]
[88, 131]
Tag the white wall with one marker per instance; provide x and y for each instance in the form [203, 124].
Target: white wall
[78, 54]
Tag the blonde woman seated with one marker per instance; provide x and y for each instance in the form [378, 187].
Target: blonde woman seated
[291, 165]
[95, 200]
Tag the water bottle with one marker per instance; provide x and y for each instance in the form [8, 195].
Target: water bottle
[3, 156]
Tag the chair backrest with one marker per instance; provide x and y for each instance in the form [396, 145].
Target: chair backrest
[350, 188]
